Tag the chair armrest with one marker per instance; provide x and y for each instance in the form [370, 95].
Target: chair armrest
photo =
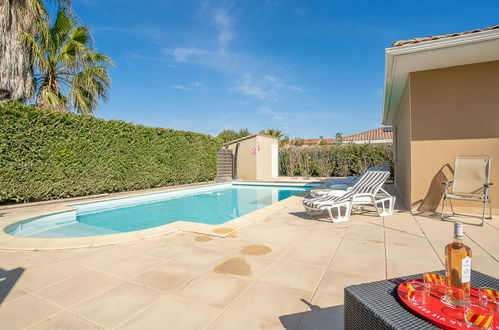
[447, 182]
[487, 185]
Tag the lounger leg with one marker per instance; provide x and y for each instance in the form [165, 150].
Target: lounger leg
[385, 212]
[340, 218]
[484, 209]
[490, 209]
[443, 208]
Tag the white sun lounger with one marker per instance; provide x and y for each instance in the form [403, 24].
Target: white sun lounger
[346, 184]
[366, 191]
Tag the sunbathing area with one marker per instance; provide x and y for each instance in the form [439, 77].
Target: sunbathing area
[286, 270]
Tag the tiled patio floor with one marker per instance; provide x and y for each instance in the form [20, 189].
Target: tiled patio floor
[286, 271]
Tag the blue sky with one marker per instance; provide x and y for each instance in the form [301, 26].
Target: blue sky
[308, 68]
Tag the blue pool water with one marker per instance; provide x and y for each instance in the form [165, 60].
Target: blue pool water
[213, 205]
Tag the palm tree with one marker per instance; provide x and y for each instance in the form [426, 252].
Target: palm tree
[15, 63]
[69, 74]
[272, 132]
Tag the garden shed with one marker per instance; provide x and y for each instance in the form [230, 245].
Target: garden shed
[255, 157]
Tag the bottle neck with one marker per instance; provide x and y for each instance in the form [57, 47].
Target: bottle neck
[458, 240]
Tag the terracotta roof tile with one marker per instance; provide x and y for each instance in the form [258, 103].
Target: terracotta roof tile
[382, 133]
[374, 134]
[442, 36]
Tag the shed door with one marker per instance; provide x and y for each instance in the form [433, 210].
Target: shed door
[275, 161]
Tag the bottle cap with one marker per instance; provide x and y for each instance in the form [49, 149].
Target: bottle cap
[458, 230]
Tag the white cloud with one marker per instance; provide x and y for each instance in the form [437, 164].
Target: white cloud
[189, 87]
[224, 22]
[181, 54]
[266, 87]
[267, 111]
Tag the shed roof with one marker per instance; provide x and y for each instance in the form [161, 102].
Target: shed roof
[249, 137]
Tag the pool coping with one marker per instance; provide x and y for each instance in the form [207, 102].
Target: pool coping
[20, 243]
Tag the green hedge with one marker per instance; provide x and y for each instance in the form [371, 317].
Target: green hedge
[332, 160]
[47, 155]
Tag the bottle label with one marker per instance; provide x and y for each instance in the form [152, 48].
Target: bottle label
[466, 270]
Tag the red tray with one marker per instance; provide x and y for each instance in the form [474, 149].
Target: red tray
[439, 314]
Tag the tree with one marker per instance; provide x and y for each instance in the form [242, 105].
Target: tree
[229, 134]
[338, 138]
[15, 63]
[272, 132]
[243, 132]
[69, 74]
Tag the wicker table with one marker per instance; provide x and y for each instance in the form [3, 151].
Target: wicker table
[375, 305]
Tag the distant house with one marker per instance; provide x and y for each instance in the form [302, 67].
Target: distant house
[441, 94]
[382, 135]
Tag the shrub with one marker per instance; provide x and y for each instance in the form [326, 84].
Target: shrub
[332, 160]
[48, 155]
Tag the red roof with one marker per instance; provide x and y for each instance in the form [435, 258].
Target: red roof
[377, 134]
[441, 36]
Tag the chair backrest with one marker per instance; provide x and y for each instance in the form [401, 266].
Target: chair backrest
[471, 173]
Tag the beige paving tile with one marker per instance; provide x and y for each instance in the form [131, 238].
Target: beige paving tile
[24, 312]
[132, 265]
[199, 259]
[30, 261]
[270, 233]
[8, 292]
[111, 307]
[173, 313]
[294, 275]
[334, 281]
[76, 289]
[268, 302]
[398, 267]
[167, 250]
[8, 255]
[364, 263]
[229, 321]
[95, 257]
[315, 257]
[65, 321]
[169, 277]
[249, 267]
[214, 289]
[40, 277]
[327, 241]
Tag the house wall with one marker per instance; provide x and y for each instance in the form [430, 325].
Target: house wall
[264, 157]
[454, 111]
[402, 146]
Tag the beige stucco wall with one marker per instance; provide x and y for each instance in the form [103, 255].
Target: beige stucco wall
[453, 111]
[246, 162]
[264, 157]
[402, 146]
[254, 166]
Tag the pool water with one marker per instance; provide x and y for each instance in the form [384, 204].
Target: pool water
[214, 206]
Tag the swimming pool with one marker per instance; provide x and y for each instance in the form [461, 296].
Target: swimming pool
[210, 205]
